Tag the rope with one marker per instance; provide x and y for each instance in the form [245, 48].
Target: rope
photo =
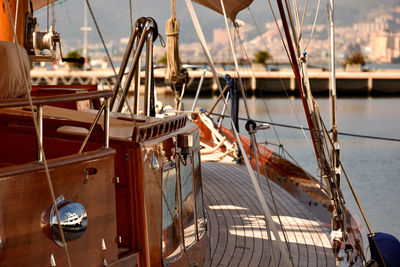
[348, 181]
[280, 79]
[16, 17]
[254, 181]
[173, 72]
[46, 168]
[235, 60]
[313, 27]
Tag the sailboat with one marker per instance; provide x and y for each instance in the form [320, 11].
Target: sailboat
[384, 247]
[125, 191]
[133, 184]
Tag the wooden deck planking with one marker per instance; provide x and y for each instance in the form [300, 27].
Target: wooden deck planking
[238, 233]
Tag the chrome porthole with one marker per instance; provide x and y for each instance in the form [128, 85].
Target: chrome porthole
[73, 220]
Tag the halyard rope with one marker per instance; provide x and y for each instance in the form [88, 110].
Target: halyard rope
[257, 188]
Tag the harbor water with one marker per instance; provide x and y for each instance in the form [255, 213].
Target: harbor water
[373, 165]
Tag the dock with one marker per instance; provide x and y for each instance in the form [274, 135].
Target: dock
[259, 83]
[237, 229]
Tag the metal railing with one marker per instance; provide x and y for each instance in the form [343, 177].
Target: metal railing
[39, 102]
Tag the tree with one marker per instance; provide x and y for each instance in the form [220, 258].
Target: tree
[355, 58]
[74, 54]
[162, 60]
[262, 56]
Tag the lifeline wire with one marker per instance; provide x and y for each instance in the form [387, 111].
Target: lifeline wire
[302, 128]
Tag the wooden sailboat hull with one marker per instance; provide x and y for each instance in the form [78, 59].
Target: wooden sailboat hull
[278, 169]
[25, 201]
[136, 183]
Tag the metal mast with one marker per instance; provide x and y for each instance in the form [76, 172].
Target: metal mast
[332, 95]
[85, 30]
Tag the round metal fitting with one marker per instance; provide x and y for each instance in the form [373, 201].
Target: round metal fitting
[250, 125]
[73, 219]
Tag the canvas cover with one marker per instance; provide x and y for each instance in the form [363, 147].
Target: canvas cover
[12, 82]
[232, 7]
[37, 4]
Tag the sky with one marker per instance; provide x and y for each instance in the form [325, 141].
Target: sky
[113, 16]
[114, 22]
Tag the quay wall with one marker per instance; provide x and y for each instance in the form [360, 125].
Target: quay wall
[357, 84]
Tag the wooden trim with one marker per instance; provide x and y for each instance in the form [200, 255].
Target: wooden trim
[72, 159]
[75, 87]
[127, 261]
[44, 100]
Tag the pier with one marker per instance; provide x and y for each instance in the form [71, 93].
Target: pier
[358, 84]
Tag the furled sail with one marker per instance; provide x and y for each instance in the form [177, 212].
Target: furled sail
[37, 4]
[232, 7]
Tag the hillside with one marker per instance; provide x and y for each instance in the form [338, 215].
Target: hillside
[114, 20]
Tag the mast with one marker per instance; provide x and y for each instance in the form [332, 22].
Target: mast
[85, 30]
[332, 95]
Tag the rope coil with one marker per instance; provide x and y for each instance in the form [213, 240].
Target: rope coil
[173, 73]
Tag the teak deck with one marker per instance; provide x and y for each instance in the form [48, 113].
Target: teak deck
[236, 227]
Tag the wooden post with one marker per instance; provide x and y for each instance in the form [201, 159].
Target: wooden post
[370, 84]
[292, 83]
[253, 82]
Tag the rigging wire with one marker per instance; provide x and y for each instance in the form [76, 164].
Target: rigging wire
[105, 48]
[251, 68]
[272, 197]
[133, 119]
[280, 79]
[280, 32]
[302, 20]
[301, 128]
[257, 189]
[292, 26]
[235, 60]
[313, 27]
[287, 258]
[48, 15]
[298, 24]
[130, 14]
[348, 180]
[101, 36]
[69, 17]
[40, 144]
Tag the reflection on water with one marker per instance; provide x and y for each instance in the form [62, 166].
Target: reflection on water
[372, 165]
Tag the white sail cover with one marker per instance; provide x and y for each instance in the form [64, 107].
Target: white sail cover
[232, 7]
[12, 80]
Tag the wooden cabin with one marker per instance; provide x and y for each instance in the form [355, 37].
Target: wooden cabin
[148, 208]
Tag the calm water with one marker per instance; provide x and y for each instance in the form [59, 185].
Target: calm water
[372, 165]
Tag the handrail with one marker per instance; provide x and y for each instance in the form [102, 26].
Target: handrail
[40, 101]
[44, 100]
